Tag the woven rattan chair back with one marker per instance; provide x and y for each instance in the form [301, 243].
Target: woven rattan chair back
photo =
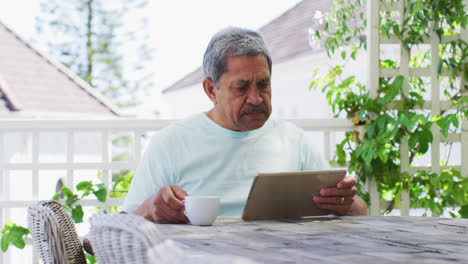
[122, 238]
[54, 234]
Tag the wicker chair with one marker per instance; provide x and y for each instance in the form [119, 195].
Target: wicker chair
[54, 234]
[122, 238]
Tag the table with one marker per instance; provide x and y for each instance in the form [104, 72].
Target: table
[348, 239]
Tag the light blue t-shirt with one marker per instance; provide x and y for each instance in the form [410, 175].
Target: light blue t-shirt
[206, 159]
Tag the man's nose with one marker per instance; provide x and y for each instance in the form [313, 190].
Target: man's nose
[253, 97]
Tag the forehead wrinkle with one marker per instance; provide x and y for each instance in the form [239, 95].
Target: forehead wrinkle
[241, 82]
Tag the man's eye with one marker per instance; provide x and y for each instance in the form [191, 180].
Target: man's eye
[242, 88]
[263, 84]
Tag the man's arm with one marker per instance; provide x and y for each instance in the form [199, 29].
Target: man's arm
[342, 199]
[149, 194]
[165, 206]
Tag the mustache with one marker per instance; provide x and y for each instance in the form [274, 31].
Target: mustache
[255, 109]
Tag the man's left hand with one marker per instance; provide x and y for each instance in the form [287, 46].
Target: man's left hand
[339, 199]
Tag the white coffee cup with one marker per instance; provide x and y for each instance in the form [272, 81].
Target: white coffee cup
[201, 210]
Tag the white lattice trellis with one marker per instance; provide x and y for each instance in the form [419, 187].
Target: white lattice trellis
[435, 105]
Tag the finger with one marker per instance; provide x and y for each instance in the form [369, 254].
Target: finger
[171, 215]
[161, 215]
[164, 218]
[159, 211]
[184, 219]
[347, 182]
[181, 218]
[334, 200]
[178, 192]
[338, 192]
[170, 199]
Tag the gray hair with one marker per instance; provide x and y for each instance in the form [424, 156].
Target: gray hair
[231, 41]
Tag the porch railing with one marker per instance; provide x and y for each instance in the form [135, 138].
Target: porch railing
[139, 132]
[107, 130]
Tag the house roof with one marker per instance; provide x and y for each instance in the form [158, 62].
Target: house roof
[32, 81]
[287, 37]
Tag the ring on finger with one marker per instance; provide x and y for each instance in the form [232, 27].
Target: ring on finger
[342, 200]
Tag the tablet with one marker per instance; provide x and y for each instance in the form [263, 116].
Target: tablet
[288, 195]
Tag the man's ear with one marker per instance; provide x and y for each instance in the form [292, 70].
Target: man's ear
[210, 89]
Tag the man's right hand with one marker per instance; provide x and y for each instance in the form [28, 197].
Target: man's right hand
[165, 206]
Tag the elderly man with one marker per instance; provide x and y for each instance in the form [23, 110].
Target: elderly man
[219, 152]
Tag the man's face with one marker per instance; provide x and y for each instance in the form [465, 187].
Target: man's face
[243, 97]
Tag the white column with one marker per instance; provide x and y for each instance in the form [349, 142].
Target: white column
[464, 146]
[35, 162]
[435, 108]
[35, 255]
[137, 146]
[373, 46]
[404, 149]
[70, 159]
[464, 123]
[106, 157]
[373, 54]
[326, 145]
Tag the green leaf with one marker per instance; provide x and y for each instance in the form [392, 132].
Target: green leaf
[8, 225]
[383, 155]
[368, 156]
[5, 242]
[17, 241]
[84, 186]
[19, 230]
[317, 33]
[56, 197]
[436, 118]
[459, 194]
[413, 121]
[465, 184]
[381, 122]
[343, 54]
[453, 215]
[396, 30]
[13, 234]
[398, 82]
[77, 214]
[67, 192]
[463, 211]
[101, 195]
[91, 259]
[341, 154]
[370, 130]
[354, 51]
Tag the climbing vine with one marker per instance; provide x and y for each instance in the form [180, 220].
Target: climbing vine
[395, 114]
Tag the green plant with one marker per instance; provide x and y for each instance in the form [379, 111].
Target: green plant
[84, 189]
[13, 234]
[90, 259]
[120, 188]
[396, 115]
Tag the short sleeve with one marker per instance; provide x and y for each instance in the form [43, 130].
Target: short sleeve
[153, 172]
